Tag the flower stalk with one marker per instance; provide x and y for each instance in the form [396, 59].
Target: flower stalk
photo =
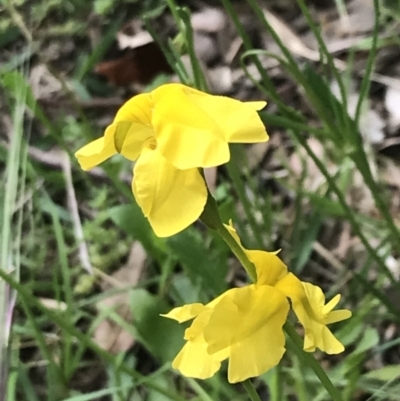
[211, 218]
[251, 391]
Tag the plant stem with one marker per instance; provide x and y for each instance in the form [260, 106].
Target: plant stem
[198, 75]
[251, 391]
[211, 218]
[238, 251]
[312, 362]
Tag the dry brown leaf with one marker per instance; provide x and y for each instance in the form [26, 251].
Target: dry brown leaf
[255, 153]
[140, 65]
[142, 61]
[205, 47]
[210, 175]
[43, 83]
[289, 37]
[371, 125]
[209, 19]
[391, 174]
[133, 41]
[53, 304]
[109, 335]
[345, 242]
[361, 17]
[392, 103]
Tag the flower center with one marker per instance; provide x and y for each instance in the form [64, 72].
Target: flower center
[150, 143]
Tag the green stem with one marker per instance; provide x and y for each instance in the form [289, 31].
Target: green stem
[251, 391]
[198, 75]
[312, 362]
[174, 62]
[175, 14]
[239, 253]
[211, 218]
[275, 385]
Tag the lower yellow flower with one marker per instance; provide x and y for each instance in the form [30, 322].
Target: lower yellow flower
[245, 325]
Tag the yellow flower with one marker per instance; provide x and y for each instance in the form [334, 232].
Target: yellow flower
[244, 325]
[314, 315]
[170, 133]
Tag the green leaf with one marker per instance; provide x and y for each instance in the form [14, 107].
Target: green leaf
[303, 246]
[199, 260]
[187, 291]
[103, 6]
[331, 109]
[325, 206]
[163, 382]
[385, 374]
[368, 341]
[161, 336]
[130, 219]
[9, 35]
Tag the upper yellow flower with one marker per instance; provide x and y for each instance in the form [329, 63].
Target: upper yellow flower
[171, 132]
[244, 325]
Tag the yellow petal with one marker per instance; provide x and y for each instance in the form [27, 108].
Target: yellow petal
[130, 138]
[238, 121]
[187, 136]
[268, 266]
[319, 336]
[328, 343]
[316, 299]
[331, 304]
[257, 105]
[241, 313]
[132, 125]
[193, 360]
[138, 109]
[292, 287]
[98, 151]
[338, 316]
[234, 233]
[171, 199]
[315, 295]
[186, 312]
[260, 352]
